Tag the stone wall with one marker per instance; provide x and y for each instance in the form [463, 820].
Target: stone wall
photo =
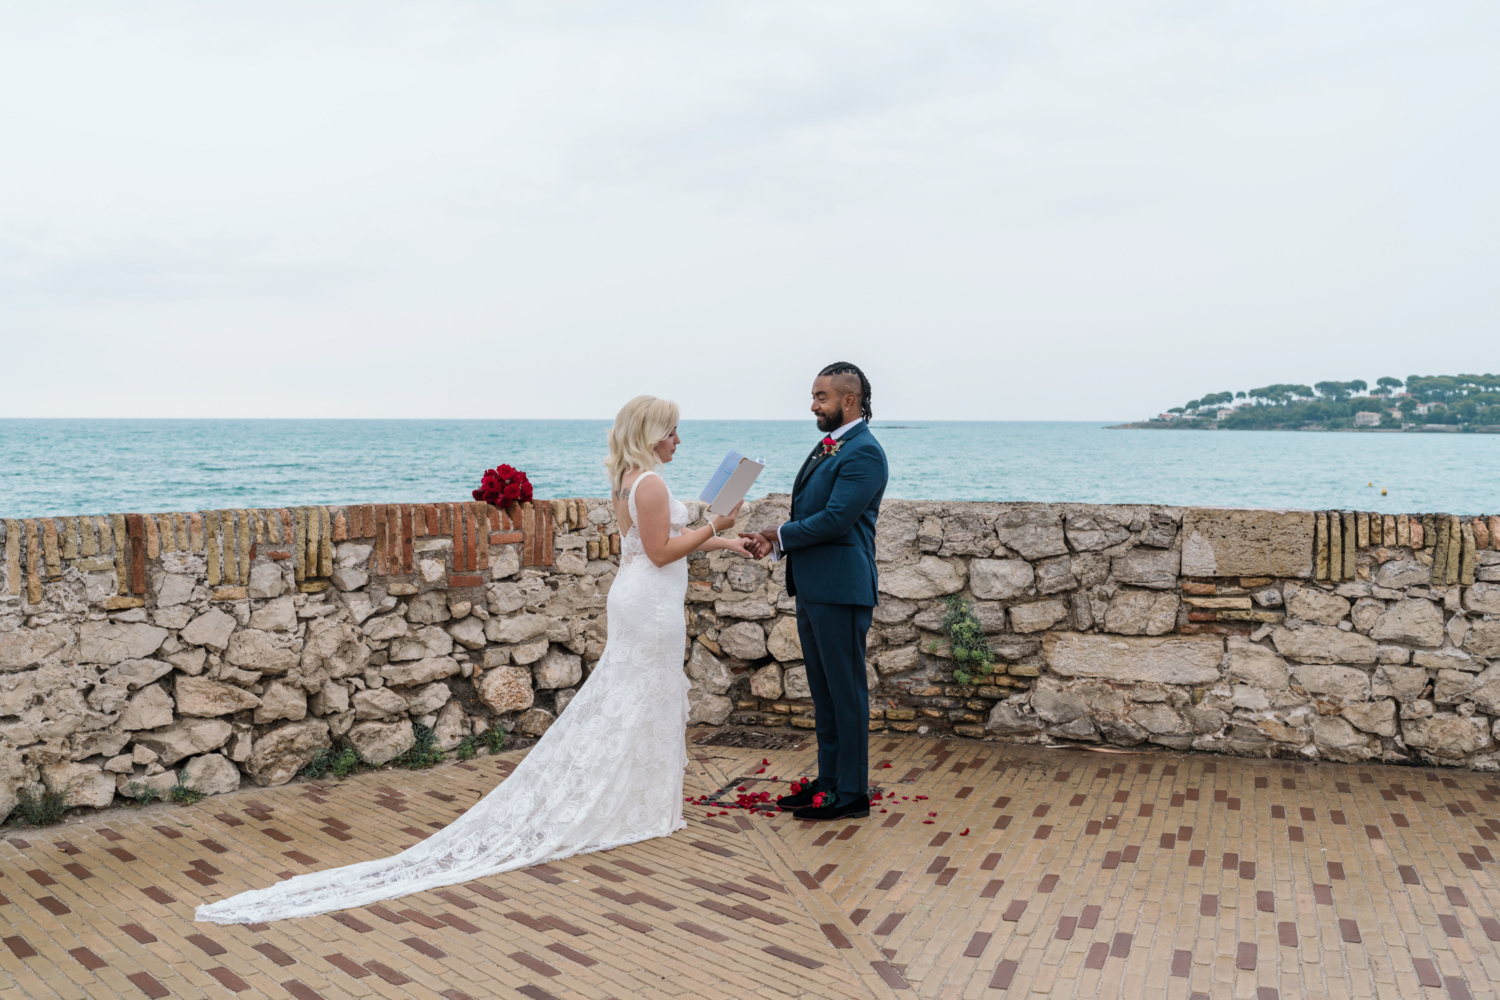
[224, 646]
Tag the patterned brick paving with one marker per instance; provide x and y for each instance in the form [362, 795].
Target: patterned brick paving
[988, 870]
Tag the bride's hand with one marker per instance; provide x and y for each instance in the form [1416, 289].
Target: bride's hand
[727, 521]
[738, 545]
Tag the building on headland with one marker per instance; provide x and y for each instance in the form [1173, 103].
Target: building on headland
[1366, 418]
[1225, 412]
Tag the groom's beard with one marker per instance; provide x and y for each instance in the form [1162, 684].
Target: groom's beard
[830, 421]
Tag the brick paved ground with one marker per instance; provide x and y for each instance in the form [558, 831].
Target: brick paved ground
[1023, 870]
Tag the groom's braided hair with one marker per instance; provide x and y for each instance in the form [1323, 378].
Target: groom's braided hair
[845, 368]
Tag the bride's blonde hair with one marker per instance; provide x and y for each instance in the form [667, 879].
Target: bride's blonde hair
[639, 427]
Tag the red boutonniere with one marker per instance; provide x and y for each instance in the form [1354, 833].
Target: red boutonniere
[831, 447]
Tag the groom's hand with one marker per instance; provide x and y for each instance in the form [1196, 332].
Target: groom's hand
[759, 543]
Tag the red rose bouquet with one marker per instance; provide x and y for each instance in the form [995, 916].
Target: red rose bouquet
[503, 486]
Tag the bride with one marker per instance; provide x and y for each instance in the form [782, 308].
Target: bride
[609, 771]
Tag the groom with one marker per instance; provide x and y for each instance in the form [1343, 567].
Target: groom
[829, 545]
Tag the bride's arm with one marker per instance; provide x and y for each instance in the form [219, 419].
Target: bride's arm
[652, 505]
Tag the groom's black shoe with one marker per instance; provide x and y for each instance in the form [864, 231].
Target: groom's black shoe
[798, 800]
[855, 808]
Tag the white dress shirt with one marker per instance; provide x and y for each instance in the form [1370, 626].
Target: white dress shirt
[836, 435]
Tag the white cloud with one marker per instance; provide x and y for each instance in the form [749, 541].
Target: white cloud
[1001, 211]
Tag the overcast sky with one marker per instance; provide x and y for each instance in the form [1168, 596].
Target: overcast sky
[1001, 210]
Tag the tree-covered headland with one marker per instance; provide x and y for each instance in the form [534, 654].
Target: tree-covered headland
[1462, 402]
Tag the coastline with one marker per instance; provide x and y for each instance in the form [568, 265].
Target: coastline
[1184, 425]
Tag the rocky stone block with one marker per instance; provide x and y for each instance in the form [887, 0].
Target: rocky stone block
[744, 641]
[1178, 659]
[706, 707]
[1314, 605]
[110, 642]
[1398, 574]
[784, 642]
[1160, 720]
[411, 673]
[85, 785]
[536, 722]
[898, 661]
[1378, 717]
[1448, 736]
[427, 700]
[428, 608]
[1153, 568]
[24, 648]
[211, 774]
[130, 675]
[280, 701]
[1056, 706]
[277, 616]
[253, 649]
[267, 582]
[895, 533]
[931, 576]
[279, 754]
[1010, 718]
[184, 739]
[559, 669]
[765, 683]
[381, 742]
[336, 648]
[1037, 616]
[1100, 529]
[505, 689]
[174, 589]
[794, 681]
[1257, 666]
[1035, 533]
[378, 703]
[707, 671]
[529, 652]
[199, 696]
[1415, 621]
[1141, 612]
[1275, 543]
[1323, 644]
[150, 708]
[452, 726]
[1483, 639]
[1482, 598]
[1336, 739]
[1000, 579]
[468, 633]
[330, 699]
[386, 628]
[212, 629]
[1345, 683]
[426, 640]
[516, 629]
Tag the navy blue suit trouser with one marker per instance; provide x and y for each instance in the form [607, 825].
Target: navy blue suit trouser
[833, 648]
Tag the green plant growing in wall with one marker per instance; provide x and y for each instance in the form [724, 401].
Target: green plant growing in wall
[44, 809]
[423, 753]
[141, 794]
[182, 794]
[971, 649]
[494, 739]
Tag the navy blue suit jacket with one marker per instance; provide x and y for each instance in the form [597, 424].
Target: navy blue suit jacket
[830, 540]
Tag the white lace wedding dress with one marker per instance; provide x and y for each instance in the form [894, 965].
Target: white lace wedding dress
[609, 771]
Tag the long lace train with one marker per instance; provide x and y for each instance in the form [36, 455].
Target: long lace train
[608, 772]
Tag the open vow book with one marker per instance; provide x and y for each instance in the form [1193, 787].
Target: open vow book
[730, 482]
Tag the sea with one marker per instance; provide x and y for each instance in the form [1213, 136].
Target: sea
[60, 467]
